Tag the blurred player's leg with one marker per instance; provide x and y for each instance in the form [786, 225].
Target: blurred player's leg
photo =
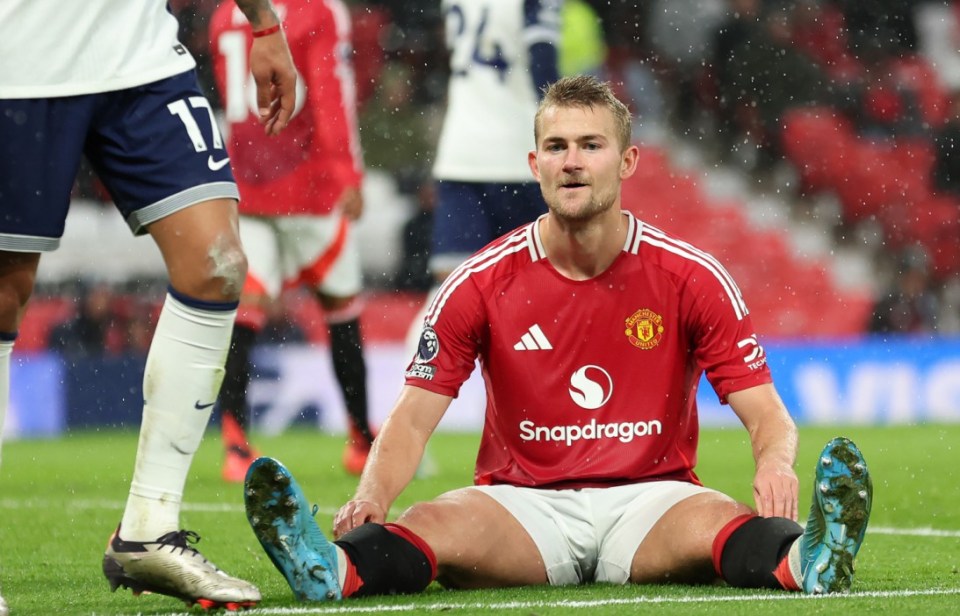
[17, 273]
[349, 366]
[234, 408]
[6, 348]
[334, 274]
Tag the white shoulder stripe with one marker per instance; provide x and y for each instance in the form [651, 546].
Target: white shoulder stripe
[517, 242]
[720, 269]
[657, 238]
[537, 251]
[634, 230]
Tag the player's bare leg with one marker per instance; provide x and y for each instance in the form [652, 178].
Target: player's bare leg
[468, 531]
[149, 552]
[17, 274]
[678, 549]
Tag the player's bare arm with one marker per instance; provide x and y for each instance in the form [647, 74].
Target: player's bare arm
[393, 461]
[773, 436]
[271, 65]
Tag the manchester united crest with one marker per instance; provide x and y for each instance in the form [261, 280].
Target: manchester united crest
[644, 329]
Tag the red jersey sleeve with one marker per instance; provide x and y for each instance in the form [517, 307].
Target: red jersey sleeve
[451, 340]
[724, 342]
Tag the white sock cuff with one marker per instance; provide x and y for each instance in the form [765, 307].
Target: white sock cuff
[205, 318]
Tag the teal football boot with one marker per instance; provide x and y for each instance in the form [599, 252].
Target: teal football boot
[284, 524]
[842, 497]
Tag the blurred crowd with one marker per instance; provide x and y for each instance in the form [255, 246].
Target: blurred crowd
[736, 78]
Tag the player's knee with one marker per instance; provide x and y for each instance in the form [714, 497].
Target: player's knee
[228, 267]
[426, 515]
[748, 551]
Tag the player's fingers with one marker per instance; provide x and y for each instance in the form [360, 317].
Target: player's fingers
[763, 498]
[268, 115]
[341, 521]
[264, 96]
[787, 499]
[781, 506]
[282, 117]
[280, 102]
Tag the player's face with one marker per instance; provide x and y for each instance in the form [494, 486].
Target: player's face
[578, 161]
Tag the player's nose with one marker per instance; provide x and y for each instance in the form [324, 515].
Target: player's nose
[573, 159]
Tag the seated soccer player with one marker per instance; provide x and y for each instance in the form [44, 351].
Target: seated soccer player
[592, 331]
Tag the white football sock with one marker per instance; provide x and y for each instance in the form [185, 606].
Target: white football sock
[181, 382]
[793, 560]
[6, 349]
[342, 564]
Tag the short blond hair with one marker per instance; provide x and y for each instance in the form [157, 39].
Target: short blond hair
[586, 91]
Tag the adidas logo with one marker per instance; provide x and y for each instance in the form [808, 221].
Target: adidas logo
[533, 340]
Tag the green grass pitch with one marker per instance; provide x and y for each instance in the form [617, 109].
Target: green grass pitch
[60, 500]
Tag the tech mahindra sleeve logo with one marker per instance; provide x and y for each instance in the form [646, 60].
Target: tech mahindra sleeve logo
[590, 387]
[754, 355]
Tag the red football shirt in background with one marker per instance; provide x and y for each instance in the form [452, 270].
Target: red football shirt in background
[304, 170]
[592, 382]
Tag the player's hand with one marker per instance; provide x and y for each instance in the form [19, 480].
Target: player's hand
[775, 489]
[351, 203]
[355, 513]
[276, 78]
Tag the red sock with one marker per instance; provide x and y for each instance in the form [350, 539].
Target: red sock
[784, 574]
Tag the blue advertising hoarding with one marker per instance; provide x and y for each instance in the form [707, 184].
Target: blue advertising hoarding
[857, 381]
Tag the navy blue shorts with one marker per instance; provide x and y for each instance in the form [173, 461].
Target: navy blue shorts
[155, 147]
[470, 215]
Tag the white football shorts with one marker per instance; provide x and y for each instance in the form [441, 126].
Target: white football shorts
[319, 252]
[590, 534]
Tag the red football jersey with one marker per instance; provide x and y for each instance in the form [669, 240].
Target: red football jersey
[591, 382]
[305, 169]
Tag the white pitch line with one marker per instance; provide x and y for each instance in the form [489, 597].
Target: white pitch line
[913, 532]
[344, 608]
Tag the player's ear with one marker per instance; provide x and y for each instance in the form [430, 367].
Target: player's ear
[532, 161]
[628, 161]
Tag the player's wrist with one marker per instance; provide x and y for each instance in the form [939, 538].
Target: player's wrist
[274, 29]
